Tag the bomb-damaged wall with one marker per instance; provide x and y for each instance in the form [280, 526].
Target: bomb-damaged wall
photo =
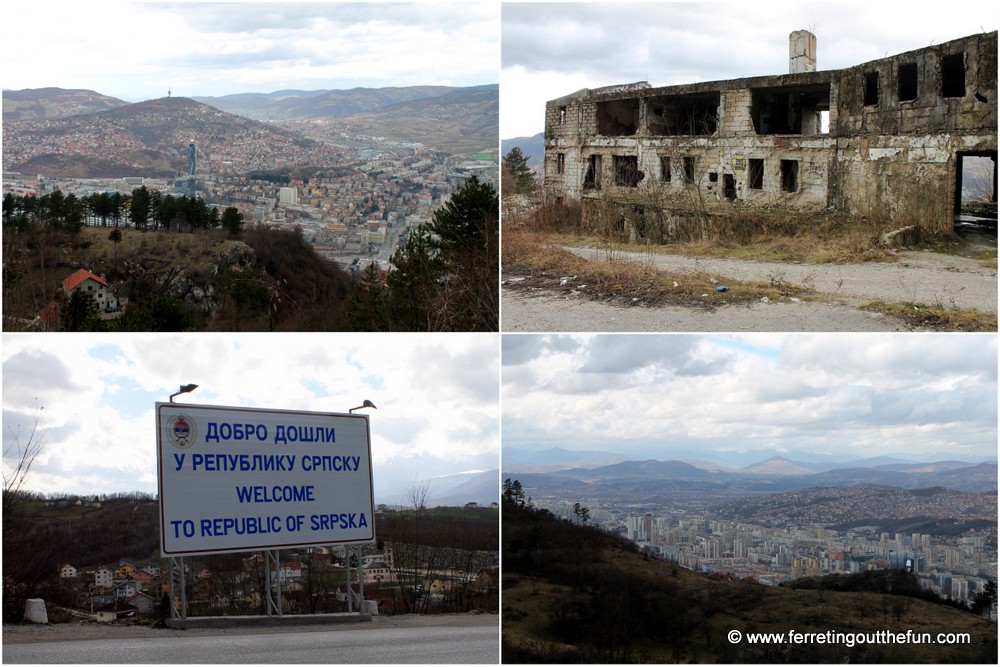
[904, 126]
[800, 143]
[704, 145]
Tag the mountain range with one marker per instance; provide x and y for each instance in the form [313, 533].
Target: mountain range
[314, 104]
[457, 490]
[82, 133]
[48, 103]
[559, 468]
[454, 490]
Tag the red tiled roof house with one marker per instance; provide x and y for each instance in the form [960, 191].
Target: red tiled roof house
[94, 286]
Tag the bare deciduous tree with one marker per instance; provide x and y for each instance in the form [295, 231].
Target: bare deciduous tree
[17, 461]
[28, 558]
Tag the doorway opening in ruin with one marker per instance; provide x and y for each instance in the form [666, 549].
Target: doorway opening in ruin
[592, 179]
[789, 175]
[729, 186]
[976, 195]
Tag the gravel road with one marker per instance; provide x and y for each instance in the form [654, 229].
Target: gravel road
[27, 633]
[917, 277]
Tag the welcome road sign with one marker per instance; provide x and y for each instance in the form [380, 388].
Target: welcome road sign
[244, 479]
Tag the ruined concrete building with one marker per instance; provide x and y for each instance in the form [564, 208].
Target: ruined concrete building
[885, 139]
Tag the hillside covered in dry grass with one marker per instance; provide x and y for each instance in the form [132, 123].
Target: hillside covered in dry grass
[575, 594]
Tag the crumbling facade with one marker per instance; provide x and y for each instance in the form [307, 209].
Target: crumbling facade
[885, 139]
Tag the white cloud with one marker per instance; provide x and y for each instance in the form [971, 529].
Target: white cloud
[135, 51]
[554, 49]
[918, 395]
[436, 396]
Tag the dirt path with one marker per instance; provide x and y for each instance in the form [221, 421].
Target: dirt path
[916, 277]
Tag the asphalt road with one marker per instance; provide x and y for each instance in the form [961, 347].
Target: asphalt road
[369, 645]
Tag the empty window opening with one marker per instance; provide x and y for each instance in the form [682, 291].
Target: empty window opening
[871, 89]
[561, 163]
[755, 174]
[789, 175]
[627, 172]
[729, 186]
[977, 182]
[907, 82]
[713, 177]
[562, 115]
[619, 118]
[689, 170]
[953, 75]
[683, 114]
[592, 179]
[790, 109]
[665, 168]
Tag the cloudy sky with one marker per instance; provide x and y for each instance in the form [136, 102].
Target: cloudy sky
[554, 49]
[735, 400]
[94, 397]
[136, 51]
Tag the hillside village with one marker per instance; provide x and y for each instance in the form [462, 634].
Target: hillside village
[141, 590]
[393, 575]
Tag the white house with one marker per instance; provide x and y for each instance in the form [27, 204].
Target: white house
[290, 571]
[68, 571]
[115, 611]
[378, 572]
[126, 589]
[104, 578]
[93, 286]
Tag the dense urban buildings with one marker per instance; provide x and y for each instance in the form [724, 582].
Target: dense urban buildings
[381, 189]
[955, 566]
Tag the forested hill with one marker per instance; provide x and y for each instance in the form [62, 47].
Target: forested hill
[577, 594]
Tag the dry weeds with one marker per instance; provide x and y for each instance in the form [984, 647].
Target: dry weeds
[938, 317]
[536, 262]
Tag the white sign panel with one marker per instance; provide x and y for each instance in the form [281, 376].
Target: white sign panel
[243, 479]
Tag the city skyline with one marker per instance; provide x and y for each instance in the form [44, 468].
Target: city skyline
[741, 398]
[94, 396]
[223, 48]
[555, 49]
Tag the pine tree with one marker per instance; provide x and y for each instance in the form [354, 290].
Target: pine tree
[522, 179]
[367, 309]
[413, 282]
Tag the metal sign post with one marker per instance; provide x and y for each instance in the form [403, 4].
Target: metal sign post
[177, 566]
[273, 593]
[347, 569]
